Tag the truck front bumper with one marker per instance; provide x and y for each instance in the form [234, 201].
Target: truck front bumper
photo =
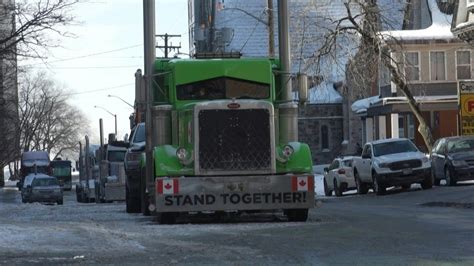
[229, 193]
[403, 178]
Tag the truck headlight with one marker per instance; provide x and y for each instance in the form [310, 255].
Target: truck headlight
[288, 151]
[382, 165]
[181, 153]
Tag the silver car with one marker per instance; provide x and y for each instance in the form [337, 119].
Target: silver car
[41, 188]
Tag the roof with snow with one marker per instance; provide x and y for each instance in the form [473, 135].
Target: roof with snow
[324, 93]
[440, 28]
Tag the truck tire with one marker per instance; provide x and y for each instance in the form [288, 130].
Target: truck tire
[132, 201]
[60, 202]
[362, 188]
[450, 178]
[379, 188]
[143, 196]
[327, 191]
[337, 189]
[166, 217]
[297, 215]
[78, 195]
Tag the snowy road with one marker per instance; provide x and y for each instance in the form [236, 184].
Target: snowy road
[399, 228]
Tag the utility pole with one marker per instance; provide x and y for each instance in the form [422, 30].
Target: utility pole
[168, 47]
[271, 33]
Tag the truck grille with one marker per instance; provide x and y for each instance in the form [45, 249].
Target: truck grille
[405, 164]
[234, 140]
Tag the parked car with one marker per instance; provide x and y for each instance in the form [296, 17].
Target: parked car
[41, 188]
[391, 162]
[452, 158]
[339, 176]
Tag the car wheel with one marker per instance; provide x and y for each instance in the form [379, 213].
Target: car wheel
[361, 187]
[405, 187]
[450, 178]
[379, 188]
[337, 189]
[297, 215]
[327, 191]
[435, 181]
[427, 183]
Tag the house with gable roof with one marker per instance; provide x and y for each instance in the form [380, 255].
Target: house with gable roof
[242, 26]
[434, 60]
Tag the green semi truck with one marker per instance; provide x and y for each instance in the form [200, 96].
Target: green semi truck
[222, 136]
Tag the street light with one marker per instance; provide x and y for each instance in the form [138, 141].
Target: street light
[121, 100]
[114, 115]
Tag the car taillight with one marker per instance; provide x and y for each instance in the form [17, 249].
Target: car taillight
[341, 171]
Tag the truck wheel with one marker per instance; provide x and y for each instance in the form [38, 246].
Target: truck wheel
[327, 191]
[97, 194]
[427, 183]
[297, 215]
[132, 203]
[143, 197]
[337, 189]
[60, 202]
[379, 188]
[361, 187]
[23, 200]
[78, 196]
[166, 218]
[450, 179]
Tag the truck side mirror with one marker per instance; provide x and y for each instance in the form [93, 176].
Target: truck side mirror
[302, 87]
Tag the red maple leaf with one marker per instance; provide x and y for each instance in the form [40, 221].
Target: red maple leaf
[168, 186]
[302, 183]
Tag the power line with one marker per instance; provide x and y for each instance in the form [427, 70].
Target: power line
[103, 89]
[89, 67]
[87, 55]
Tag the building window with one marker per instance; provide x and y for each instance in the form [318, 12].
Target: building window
[438, 66]
[412, 66]
[463, 64]
[411, 127]
[324, 137]
[401, 126]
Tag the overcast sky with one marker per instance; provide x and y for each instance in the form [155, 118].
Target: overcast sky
[110, 44]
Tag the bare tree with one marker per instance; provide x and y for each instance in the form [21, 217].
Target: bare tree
[27, 30]
[47, 121]
[377, 48]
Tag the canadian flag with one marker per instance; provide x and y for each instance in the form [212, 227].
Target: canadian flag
[167, 186]
[302, 183]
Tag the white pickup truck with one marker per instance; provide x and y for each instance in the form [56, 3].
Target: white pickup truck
[391, 162]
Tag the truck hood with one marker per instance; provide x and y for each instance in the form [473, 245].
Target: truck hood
[396, 157]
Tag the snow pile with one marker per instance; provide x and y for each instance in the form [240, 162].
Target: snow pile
[324, 93]
[362, 105]
[439, 29]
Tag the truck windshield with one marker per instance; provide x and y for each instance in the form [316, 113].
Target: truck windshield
[43, 182]
[140, 134]
[394, 147]
[116, 156]
[223, 88]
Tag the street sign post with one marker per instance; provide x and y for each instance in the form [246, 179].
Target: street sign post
[466, 107]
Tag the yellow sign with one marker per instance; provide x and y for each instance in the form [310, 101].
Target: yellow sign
[466, 107]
